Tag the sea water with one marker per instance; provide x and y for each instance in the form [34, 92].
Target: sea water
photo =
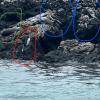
[42, 81]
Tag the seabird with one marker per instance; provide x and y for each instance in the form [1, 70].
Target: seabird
[28, 41]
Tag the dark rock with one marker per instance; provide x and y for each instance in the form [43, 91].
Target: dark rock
[75, 51]
[8, 31]
[54, 17]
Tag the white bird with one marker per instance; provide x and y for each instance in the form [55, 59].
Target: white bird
[23, 48]
[28, 41]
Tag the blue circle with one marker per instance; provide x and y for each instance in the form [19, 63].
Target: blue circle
[73, 23]
[50, 34]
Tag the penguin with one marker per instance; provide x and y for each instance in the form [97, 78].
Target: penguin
[23, 48]
[28, 40]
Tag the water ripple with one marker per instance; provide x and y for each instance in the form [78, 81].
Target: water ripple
[42, 81]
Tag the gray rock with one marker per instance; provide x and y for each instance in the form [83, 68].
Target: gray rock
[54, 20]
[75, 51]
[9, 31]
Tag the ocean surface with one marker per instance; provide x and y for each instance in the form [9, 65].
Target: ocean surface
[42, 81]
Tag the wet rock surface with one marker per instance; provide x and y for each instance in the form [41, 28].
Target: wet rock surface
[75, 51]
[52, 20]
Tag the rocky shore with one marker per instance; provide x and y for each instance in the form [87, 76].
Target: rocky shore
[17, 30]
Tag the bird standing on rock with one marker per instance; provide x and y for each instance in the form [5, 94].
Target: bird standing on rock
[28, 40]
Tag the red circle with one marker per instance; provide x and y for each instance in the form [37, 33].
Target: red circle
[33, 53]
